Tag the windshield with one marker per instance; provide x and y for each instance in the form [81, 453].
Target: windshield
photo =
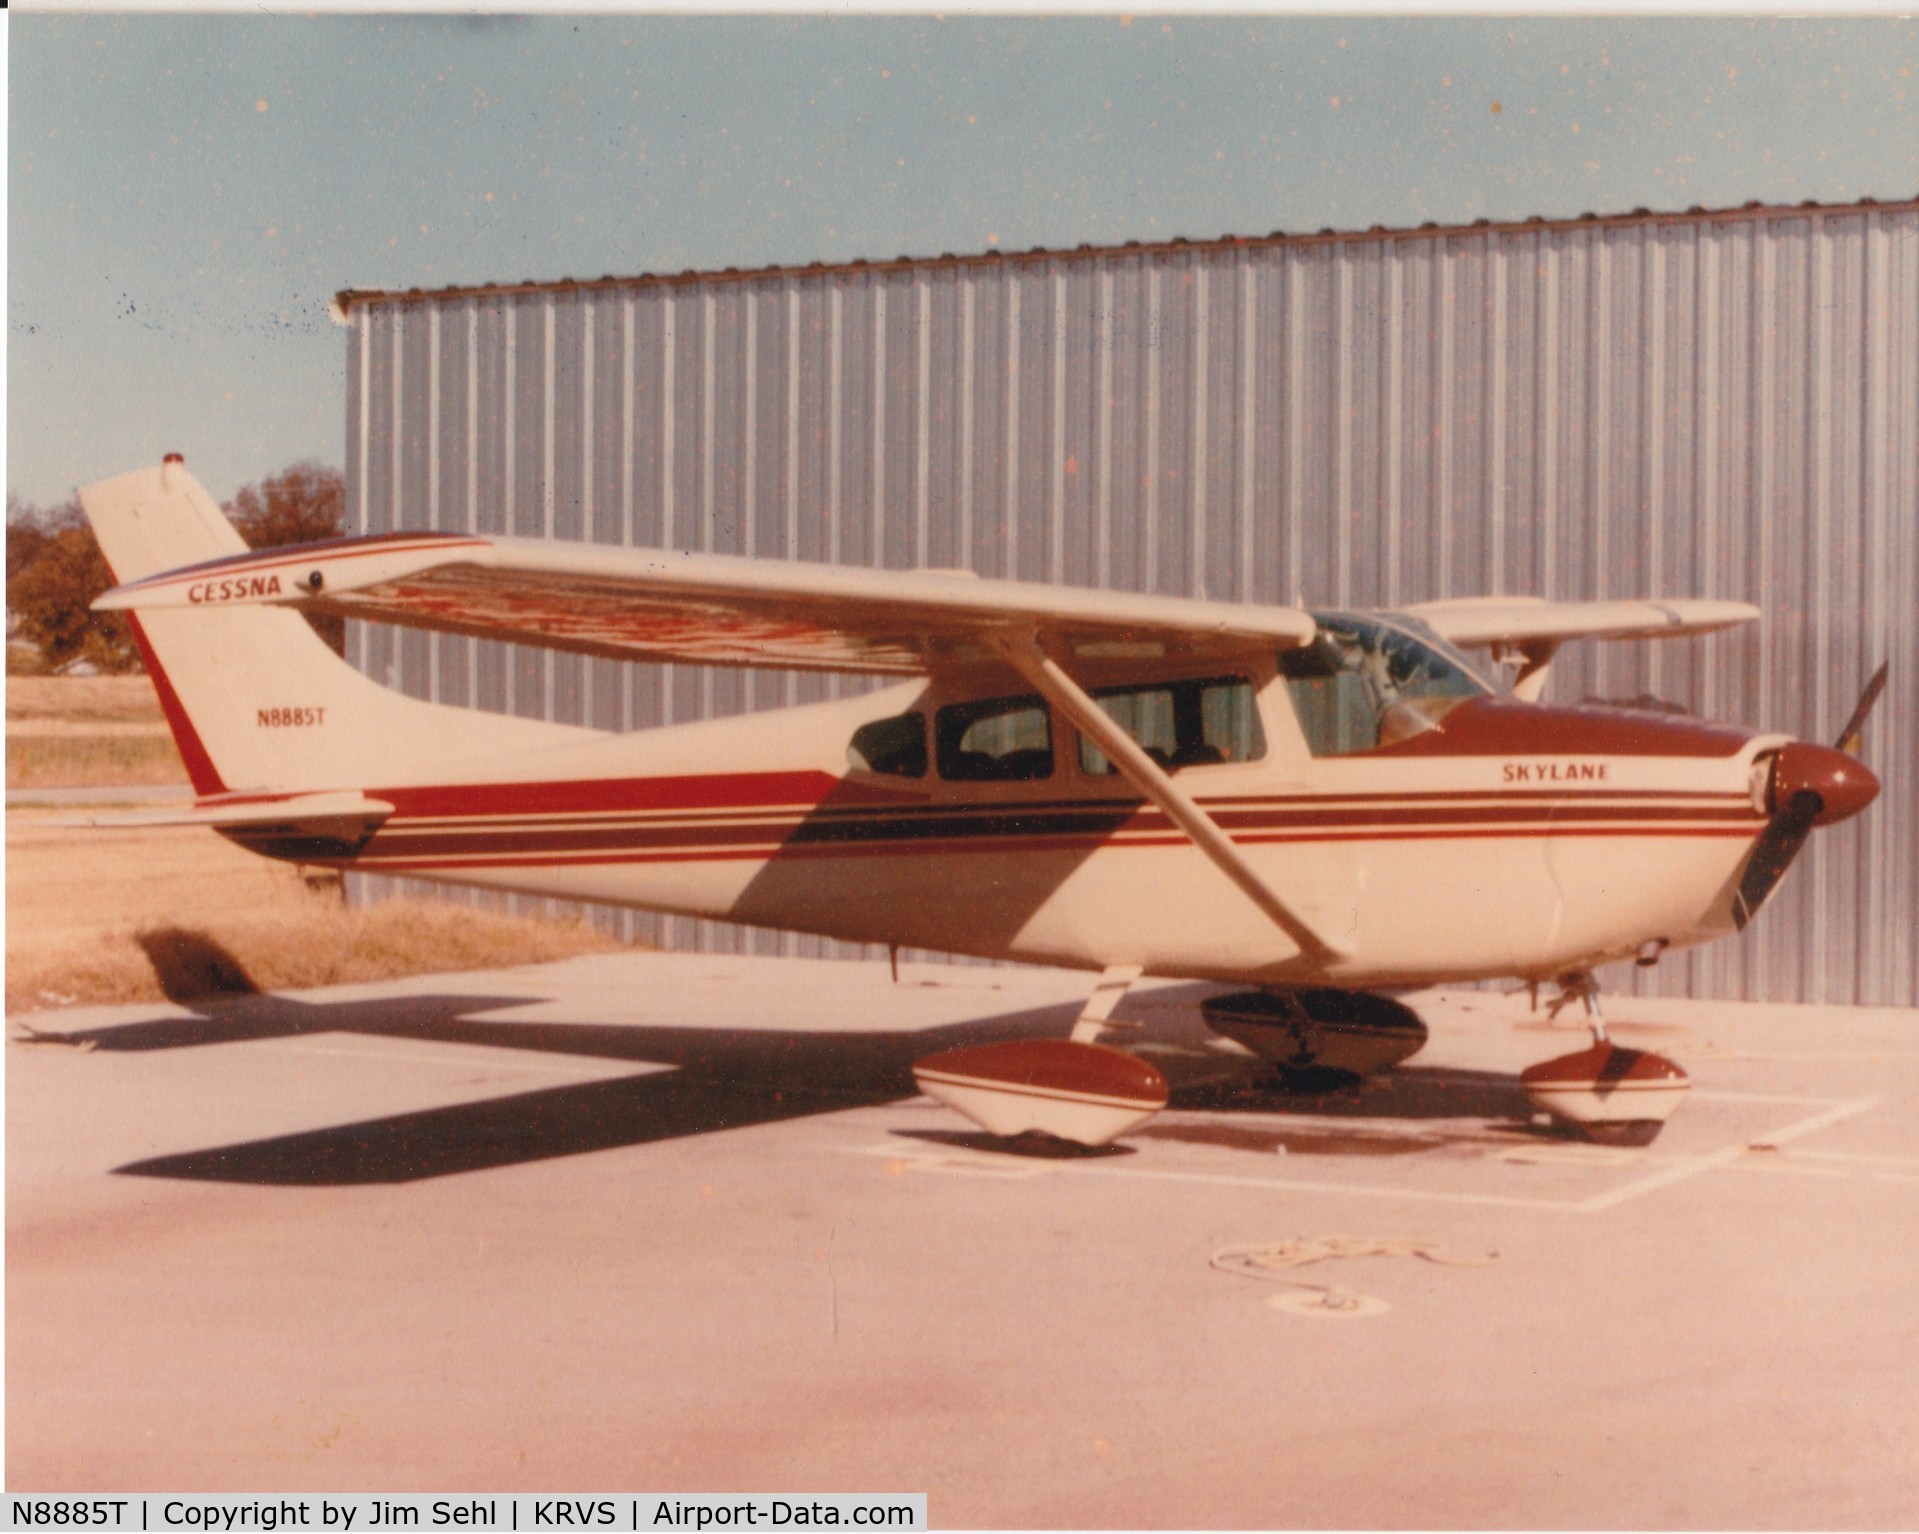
[1369, 682]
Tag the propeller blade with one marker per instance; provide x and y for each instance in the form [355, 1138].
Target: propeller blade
[1773, 853]
[1851, 737]
[1818, 787]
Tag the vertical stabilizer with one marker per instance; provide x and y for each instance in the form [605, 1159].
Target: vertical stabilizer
[255, 698]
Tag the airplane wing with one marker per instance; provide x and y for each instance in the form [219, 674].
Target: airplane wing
[1531, 629]
[1518, 621]
[714, 609]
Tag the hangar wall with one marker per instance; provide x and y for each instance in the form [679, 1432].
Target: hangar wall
[1713, 404]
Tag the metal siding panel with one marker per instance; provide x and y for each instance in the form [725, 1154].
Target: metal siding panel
[1125, 428]
[452, 427]
[939, 341]
[1517, 410]
[771, 465]
[729, 433]
[898, 447]
[992, 400]
[415, 381]
[1266, 578]
[377, 377]
[1416, 531]
[488, 457]
[356, 444]
[609, 473]
[1080, 330]
[1311, 399]
[1363, 423]
[413, 506]
[855, 508]
[1174, 395]
[528, 438]
[571, 443]
[1034, 513]
[378, 646]
[1218, 536]
[810, 400]
[356, 450]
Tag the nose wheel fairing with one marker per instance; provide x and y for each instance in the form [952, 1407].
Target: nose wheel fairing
[1609, 1094]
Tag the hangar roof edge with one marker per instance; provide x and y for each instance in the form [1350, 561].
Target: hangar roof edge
[348, 299]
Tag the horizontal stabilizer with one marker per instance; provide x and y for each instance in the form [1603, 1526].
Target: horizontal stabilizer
[715, 609]
[309, 814]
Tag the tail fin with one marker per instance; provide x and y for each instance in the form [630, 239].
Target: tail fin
[254, 697]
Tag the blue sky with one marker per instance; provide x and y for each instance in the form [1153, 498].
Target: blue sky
[187, 192]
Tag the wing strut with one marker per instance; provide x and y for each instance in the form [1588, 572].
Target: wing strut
[1023, 650]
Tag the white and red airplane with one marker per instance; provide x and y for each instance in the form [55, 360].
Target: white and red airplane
[1320, 805]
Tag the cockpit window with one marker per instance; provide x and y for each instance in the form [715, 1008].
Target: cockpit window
[1182, 724]
[896, 747]
[998, 740]
[1364, 683]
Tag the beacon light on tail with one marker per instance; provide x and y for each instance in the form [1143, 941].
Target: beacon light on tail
[1316, 805]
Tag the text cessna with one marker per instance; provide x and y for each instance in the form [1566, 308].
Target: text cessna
[244, 588]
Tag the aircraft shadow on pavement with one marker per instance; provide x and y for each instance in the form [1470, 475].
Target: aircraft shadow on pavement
[719, 1079]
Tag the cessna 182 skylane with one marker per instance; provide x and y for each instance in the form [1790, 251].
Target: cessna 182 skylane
[1316, 804]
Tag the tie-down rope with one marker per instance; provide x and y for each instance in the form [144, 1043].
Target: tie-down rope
[1270, 1261]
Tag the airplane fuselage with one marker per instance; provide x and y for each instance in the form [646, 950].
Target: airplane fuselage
[1509, 839]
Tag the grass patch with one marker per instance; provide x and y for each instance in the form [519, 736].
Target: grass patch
[88, 732]
[83, 699]
[138, 915]
[92, 761]
[325, 944]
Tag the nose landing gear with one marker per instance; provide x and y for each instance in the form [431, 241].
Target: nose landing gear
[1608, 1094]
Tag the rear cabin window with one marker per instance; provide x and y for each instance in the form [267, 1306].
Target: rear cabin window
[896, 747]
[996, 741]
[1181, 724]
[1362, 684]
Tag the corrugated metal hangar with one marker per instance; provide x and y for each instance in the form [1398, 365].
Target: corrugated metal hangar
[1719, 404]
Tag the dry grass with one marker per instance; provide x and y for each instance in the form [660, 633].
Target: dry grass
[92, 761]
[83, 699]
[115, 916]
[87, 732]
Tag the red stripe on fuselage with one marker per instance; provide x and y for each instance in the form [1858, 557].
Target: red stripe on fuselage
[1036, 844]
[1016, 825]
[719, 791]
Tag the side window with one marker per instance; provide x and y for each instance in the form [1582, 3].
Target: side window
[999, 740]
[895, 746]
[1182, 724]
[1335, 709]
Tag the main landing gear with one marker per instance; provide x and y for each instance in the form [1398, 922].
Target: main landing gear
[1072, 1089]
[1088, 1093]
[1609, 1094]
[1080, 1090]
